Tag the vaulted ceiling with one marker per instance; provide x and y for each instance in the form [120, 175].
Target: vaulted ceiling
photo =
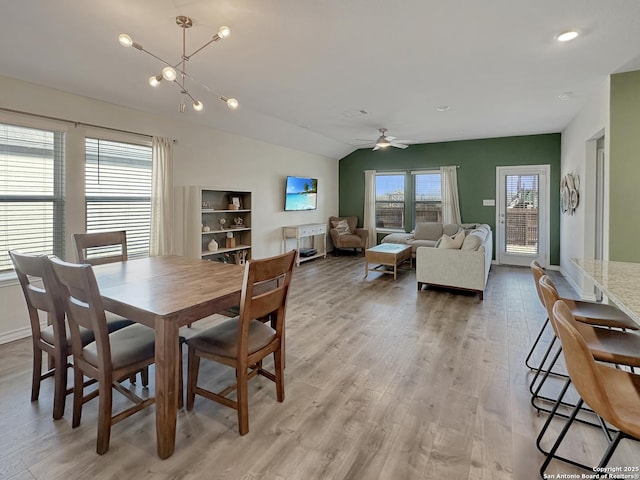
[318, 75]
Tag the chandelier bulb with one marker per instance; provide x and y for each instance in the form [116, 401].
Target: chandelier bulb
[125, 40]
[224, 32]
[155, 80]
[169, 74]
[232, 103]
[198, 105]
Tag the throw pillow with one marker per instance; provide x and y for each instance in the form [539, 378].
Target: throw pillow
[454, 242]
[341, 226]
[471, 242]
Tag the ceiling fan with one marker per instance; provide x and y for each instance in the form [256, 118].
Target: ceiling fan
[385, 141]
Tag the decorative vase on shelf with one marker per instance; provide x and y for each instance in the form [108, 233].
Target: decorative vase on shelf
[213, 245]
[205, 228]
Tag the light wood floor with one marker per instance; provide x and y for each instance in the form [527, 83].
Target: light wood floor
[382, 382]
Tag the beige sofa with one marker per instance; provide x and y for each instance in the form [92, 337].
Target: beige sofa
[466, 268]
[426, 234]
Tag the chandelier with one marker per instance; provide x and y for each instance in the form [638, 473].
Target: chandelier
[177, 73]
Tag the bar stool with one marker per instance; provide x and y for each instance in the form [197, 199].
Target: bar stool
[593, 313]
[613, 394]
[606, 345]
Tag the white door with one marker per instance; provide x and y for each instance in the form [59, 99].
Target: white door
[522, 223]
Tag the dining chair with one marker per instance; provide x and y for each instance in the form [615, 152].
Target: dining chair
[109, 359]
[101, 247]
[606, 345]
[613, 394]
[594, 313]
[43, 295]
[244, 341]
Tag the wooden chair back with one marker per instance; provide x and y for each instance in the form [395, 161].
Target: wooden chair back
[33, 271]
[102, 247]
[584, 372]
[46, 298]
[264, 295]
[84, 308]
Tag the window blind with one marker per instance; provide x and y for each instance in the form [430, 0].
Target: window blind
[522, 214]
[390, 201]
[31, 192]
[428, 197]
[118, 191]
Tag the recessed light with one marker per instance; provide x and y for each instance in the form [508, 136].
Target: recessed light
[567, 36]
[443, 108]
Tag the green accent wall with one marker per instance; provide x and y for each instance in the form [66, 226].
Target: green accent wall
[477, 159]
[624, 167]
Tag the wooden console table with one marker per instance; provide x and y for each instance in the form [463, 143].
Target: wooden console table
[316, 232]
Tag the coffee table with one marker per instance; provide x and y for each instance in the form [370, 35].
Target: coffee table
[387, 254]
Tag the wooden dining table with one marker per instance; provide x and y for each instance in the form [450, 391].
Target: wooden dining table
[618, 280]
[166, 293]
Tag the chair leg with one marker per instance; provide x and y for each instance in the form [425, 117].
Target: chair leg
[144, 376]
[193, 365]
[60, 385]
[78, 391]
[610, 449]
[243, 401]
[563, 433]
[535, 344]
[104, 416]
[552, 414]
[279, 373]
[36, 374]
[535, 390]
[180, 381]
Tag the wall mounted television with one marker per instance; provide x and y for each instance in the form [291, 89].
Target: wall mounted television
[301, 193]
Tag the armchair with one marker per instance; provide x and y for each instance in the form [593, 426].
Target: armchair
[345, 234]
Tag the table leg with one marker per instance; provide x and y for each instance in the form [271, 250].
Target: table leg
[167, 351]
[366, 269]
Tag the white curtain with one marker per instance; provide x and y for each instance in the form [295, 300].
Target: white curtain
[450, 202]
[161, 235]
[369, 221]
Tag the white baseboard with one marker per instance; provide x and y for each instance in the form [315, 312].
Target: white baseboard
[14, 335]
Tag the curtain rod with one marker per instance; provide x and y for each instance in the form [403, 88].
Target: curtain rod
[75, 123]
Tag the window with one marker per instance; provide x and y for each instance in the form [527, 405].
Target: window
[118, 191]
[427, 196]
[31, 192]
[390, 201]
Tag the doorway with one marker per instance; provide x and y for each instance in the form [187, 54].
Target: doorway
[522, 223]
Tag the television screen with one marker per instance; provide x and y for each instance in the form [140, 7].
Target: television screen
[301, 194]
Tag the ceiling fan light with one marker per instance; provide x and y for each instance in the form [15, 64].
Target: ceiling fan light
[198, 106]
[155, 80]
[125, 40]
[169, 74]
[383, 143]
[224, 31]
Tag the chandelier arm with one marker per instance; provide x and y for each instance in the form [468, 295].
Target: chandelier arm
[158, 58]
[215, 38]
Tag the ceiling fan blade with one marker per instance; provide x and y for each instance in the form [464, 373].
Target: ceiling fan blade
[376, 148]
[391, 138]
[398, 145]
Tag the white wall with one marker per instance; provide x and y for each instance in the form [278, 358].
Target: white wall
[202, 156]
[577, 232]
